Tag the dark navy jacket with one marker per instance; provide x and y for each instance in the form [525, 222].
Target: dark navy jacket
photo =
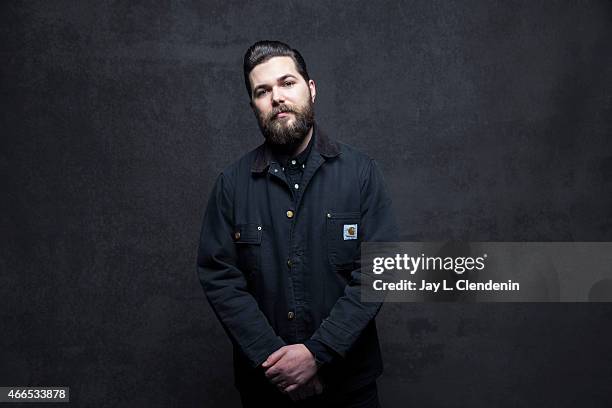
[278, 270]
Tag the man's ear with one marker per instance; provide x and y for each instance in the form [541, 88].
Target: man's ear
[313, 90]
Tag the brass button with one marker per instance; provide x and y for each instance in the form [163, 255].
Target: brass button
[290, 315]
[289, 214]
[237, 236]
[289, 263]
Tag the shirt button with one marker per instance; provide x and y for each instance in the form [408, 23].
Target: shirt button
[289, 214]
[296, 185]
[276, 170]
[303, 166]
[237, 236]
[290, 315]
[289, 263]
[293, 162]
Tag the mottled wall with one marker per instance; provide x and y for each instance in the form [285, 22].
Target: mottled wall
[491, 121]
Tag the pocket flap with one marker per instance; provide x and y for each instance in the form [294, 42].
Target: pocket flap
[248, 234]
[344, 215]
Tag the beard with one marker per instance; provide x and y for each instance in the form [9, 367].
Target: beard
[282, 133]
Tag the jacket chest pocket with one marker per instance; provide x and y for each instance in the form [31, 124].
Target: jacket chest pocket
[343, 238]
[247, 238]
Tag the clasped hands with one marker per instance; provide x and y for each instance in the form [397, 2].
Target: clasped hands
[294, 372]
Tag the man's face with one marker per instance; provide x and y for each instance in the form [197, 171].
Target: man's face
[282, 101]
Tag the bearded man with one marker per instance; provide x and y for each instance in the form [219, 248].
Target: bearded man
[279, 255]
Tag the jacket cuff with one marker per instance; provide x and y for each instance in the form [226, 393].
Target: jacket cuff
[335, 337]
[320, 351]
[261, 349]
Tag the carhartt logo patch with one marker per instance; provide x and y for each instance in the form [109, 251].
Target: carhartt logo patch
[350, 231]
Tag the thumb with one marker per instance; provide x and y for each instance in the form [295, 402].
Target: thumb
[318, 387]
[274, 357]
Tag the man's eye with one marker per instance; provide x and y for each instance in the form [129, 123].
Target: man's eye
[289, 83]
[261, 92]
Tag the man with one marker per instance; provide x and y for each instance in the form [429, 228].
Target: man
[279, 256]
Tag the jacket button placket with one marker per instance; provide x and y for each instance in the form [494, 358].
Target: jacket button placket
[295, 278]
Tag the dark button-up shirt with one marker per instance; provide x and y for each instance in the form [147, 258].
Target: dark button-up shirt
[279, 268]
[293, 167]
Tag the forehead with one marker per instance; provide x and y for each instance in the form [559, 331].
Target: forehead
[272, 69]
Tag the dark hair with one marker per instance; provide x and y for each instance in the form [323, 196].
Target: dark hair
[262, 51]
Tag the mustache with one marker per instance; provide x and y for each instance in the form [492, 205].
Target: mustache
[280, 109]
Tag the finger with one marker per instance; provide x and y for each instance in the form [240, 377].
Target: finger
[274, 357]
[278, 380]
[302, 392]
[318, 387]
[274, 372]
[291, 388]
[307, 390]
[293, 396]
[283, 385]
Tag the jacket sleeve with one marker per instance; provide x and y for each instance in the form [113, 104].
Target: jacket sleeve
[225, 285]
[349, 316]
[321, 352]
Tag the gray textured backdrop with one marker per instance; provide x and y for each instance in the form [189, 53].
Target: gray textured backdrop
[491, 121]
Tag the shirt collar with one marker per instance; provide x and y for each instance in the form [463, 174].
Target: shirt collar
[321, 144]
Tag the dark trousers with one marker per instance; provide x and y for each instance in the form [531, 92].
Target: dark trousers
[269, 397]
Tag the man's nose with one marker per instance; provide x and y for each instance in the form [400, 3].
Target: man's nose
[277, 95]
